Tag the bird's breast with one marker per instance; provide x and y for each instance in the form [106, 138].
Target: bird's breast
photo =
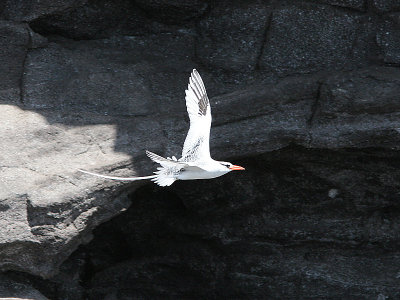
[199, 174]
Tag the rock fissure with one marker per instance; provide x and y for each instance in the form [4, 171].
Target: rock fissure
[264, 40]
[314, 107]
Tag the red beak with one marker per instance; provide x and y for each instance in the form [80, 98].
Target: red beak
[236, 168]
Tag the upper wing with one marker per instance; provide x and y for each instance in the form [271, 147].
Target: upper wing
[165, 162]
[197, 143]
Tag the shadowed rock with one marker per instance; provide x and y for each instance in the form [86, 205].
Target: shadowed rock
[10, 289]
[323, 38]
[239, 50]
[20, 10]
[94, 20]
[287, 235]
[388, 38]
[304, 92]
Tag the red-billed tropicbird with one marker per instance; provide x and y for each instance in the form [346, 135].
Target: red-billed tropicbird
[196, 162]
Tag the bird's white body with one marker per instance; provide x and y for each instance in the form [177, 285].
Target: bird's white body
[196, 162]
[206, 170]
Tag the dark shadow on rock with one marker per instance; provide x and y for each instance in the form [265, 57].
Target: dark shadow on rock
[298, 223]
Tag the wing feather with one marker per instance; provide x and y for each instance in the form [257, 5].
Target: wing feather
[165, 162]
[196, 146]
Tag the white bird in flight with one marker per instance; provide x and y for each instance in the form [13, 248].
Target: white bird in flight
[196, 162]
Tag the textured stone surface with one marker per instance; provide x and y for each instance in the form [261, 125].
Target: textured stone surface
[305, 92]
[42, 217]
[57, 77]
[21, 10]
[241, 48]
[56, 218]
[359, 109]
[13, 42]
[173, 11]
[94, 20]
[355, 4]
[384, 6]
[359, 5]
[13, 290]
[301, 39]
[388, 38]
[311, 229]
[96, 76]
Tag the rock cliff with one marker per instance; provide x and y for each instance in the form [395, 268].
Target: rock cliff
[304, 94]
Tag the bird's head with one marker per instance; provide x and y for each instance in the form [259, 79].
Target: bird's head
[230, 166]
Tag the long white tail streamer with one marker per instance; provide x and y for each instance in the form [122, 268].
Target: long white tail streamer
[119, 178]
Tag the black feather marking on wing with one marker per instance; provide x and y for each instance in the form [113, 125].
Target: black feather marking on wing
[199, 90]
[203, 104]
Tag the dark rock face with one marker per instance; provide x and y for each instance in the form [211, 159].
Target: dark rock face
[385, 6]
[388, 39]
[173, 11]
[20, 10]
[324, 38]
[311, 228]
[96, 19]
[239, 50]
[305, 93]
[14, 42]
[10, 289]
[355, 99]
[360, 5]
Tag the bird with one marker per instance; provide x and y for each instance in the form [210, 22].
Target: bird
[196, 161]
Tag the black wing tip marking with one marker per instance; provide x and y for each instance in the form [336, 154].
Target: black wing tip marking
[197, 85]
[196, 74]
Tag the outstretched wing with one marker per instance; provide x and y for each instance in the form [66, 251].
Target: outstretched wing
[197, 143]
[165, 162]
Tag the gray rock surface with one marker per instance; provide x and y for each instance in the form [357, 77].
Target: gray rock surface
[359, 109]
[16, 40]
[305, 93]
[42, 215]
[239, 50]
[360, 5]
[319, 43]
[384, 6]
[94, 20]
[388, 38]
[20, 10]
[174, 11]
[311, 230]
[14, 43]
[13, 290]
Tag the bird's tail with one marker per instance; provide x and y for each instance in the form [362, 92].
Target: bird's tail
[119, 178]
[170, 168]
